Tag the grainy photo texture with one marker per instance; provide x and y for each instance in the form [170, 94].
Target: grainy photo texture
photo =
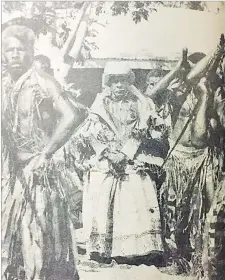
[113, 121]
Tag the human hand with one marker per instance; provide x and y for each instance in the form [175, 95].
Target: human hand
[116, 157]
[183, 63]
[140, 133]
[203, 88]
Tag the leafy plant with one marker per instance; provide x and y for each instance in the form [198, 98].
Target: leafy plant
[43, 16]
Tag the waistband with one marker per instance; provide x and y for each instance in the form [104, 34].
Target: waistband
[180, 149]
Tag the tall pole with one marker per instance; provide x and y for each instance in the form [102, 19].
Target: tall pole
[74, 42]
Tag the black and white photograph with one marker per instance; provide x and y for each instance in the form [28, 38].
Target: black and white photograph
[112, 140]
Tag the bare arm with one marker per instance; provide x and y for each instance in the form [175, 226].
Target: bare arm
[165, 82]
[162, 85]
[70, 119]
[208, 64]
[200, 124]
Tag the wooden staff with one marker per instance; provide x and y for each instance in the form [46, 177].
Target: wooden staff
[73, 44]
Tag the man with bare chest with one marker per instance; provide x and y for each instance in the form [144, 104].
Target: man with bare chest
[187, 168]
[37, 121]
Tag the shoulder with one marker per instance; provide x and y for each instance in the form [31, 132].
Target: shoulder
[49, 84]
[50, 80]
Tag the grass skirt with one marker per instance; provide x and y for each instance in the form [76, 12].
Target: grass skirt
[36, 228]
[182, 200]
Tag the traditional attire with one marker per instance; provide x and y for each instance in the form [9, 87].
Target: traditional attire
[214, 237]
[121, 214]
[183, 190]
[34, 206]
[188, 171]
[214, 232]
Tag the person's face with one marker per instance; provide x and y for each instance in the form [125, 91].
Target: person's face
[119, 85]
[16, 56]
[152, 81]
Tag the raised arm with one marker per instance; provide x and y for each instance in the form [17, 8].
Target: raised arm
[160, 87]
[199, 134]
[206, 65]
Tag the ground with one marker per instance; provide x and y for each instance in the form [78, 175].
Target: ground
[90, 270]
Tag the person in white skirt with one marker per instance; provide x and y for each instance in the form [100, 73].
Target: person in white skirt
[121, 213]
